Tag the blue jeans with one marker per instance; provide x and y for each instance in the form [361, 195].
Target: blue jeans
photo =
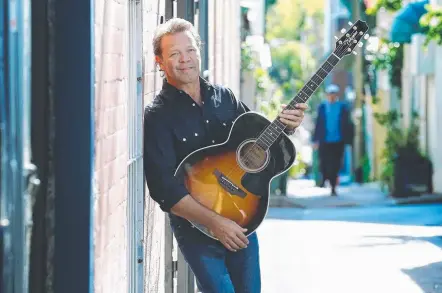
[216, 269]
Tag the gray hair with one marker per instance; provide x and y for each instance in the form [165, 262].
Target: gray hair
[170, 27]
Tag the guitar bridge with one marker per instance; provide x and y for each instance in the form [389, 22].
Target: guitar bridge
[227, 185]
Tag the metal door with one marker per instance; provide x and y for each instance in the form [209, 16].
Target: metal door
[16, 169]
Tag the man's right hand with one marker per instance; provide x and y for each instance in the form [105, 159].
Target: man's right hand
[229, 233]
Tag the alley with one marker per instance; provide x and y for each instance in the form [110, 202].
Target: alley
[379, 249]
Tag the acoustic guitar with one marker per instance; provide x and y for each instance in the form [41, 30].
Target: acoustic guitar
[233, 178]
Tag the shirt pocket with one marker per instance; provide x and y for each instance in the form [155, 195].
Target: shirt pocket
[188, 138]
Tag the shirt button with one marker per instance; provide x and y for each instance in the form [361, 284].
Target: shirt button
[193, 104]
[224, 124]
[213, 141]
[184, 139]
[202, 102]
[207, 121]
[196, 134]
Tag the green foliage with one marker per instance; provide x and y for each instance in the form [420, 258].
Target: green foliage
[248, 61]
[397, 139]
[390, 57]
[262, 80]
[299, 167]
[271, 109]
[389, 5]
[431, 22]
[286, 19]
[291, 61]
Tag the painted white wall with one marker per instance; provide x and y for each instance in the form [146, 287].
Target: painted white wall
[437, 123]
[422, 79]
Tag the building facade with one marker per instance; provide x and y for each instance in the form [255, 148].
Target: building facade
[91, 73]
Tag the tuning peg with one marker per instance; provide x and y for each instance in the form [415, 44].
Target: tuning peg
[343, 30]
[336, 38]
[350, 23]
[366, 36]
[355, 53]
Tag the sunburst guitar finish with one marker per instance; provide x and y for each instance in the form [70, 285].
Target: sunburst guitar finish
[233, 178]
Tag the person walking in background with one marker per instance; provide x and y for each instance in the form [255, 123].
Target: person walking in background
[333, 130]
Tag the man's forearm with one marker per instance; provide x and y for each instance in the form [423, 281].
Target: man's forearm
[192, 210]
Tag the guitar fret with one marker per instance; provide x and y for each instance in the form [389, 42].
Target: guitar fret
[261, 138]
[266, 140]
[322, 73]
[317, 79]
[307, 90]
[270, 134]
[303, 97]
[333, 59]
[327, 67]
[279, 124]
[312, 86]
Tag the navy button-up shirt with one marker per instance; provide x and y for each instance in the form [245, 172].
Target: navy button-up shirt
[175, 126]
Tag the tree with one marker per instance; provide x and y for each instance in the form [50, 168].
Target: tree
[291, 63]
[292, 27]
[286, 18]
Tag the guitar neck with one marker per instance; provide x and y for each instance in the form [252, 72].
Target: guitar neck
[272, 132]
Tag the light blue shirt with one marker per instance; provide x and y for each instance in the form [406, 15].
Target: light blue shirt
[332, 120]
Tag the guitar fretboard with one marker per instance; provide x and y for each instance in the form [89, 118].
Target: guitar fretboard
[274, 130]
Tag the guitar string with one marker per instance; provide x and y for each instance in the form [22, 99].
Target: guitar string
[246, 156]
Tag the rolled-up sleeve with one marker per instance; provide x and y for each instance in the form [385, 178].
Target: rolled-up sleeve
[160, 163]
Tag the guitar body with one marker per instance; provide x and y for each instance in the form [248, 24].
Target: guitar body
[233, 178]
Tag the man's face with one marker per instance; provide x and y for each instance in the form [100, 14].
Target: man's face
[180, 58]
[332, 97]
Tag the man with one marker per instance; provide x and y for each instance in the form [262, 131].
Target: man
[334, 129]
[190, 113]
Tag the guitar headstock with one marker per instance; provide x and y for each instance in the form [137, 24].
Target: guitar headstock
[351, 38]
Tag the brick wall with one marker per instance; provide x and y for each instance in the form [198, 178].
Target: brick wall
[110, 219]
[111, 153]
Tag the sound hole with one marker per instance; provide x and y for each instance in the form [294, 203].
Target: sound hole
[251, 157]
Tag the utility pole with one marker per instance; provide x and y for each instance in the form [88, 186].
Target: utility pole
[358, 88]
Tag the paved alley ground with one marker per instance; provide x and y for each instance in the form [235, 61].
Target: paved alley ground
[304, 194]
[378, 249]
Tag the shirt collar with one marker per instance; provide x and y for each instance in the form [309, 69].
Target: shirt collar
[171, 92]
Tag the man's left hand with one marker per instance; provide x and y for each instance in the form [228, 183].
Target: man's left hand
[293, 118]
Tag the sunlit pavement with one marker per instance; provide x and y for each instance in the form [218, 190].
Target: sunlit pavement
[304, 194]
[372, 249]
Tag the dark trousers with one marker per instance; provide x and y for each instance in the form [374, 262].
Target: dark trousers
[330, 160]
